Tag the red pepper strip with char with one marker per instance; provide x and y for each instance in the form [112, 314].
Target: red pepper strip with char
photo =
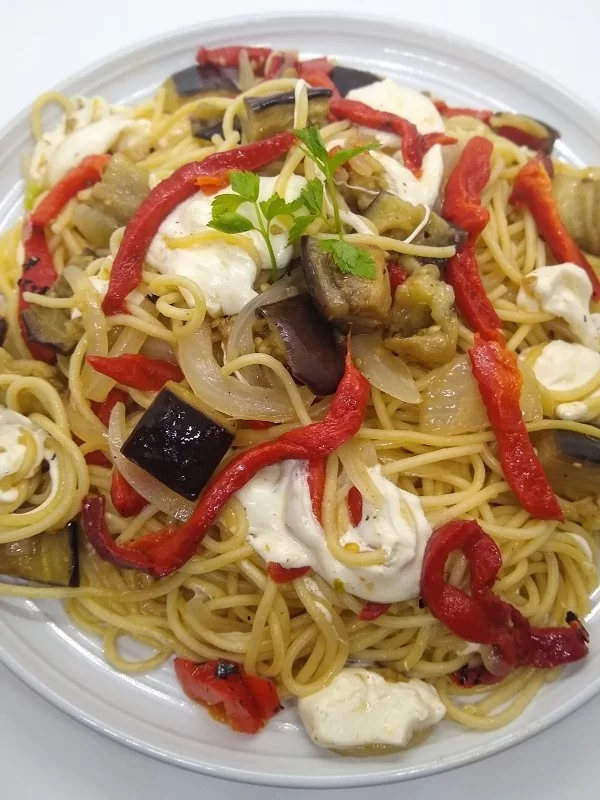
[448, 111]
[126, 272]
[397, 275]
[124, 497]
[355, 506]
[164, 552]
[279, 574]
[245, 702]
[499, 379]
[471, 675]
[137, 371]
[316, 484]
[84, 175]
[414, 145]
[462, 206]
[482, 616]
[372, 610]
[533, 188]
[38, 276]
[230, 56]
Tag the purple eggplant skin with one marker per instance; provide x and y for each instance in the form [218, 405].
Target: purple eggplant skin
[203, 79]
[177, 442]
[48, 558]
[346, 79]
[314, 356]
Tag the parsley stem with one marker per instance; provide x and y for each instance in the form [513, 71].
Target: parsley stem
[265, 234]
[334, 203]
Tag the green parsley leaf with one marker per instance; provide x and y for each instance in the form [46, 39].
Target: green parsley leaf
[311, 139]
[312, 196]
[274, 206]
[231, 222]
[225, 203]
[299, 226]
[246, 184]
[339, 158]
[350, 259]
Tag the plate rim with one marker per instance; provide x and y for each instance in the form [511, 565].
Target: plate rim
[219, 28]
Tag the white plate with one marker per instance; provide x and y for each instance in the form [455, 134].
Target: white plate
[149, 712]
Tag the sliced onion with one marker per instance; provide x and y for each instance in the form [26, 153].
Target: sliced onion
[452, 403]
[153, 490]
[493, 661]
[225, 393]
[240, 341]
[356, 457]
[384, 370]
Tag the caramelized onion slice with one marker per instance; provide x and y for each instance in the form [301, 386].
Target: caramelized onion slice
[383, 369]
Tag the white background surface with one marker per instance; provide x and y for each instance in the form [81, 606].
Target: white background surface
[42, 752]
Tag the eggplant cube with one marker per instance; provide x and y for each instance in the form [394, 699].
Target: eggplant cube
[177, 442]
[274, 113]
[201, 80]
[347, 78]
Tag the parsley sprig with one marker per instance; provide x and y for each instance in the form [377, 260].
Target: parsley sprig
[245, 189]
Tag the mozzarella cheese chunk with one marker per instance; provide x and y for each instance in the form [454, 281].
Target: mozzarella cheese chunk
[283, 529]
[225, 273]
[18, 437]
[568, 367]
[386, 95]
[94, 127]
[565, 291]
[361, 708]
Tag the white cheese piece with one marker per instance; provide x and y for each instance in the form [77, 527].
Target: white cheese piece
[14, 429]
[283, 529]
[361, 708]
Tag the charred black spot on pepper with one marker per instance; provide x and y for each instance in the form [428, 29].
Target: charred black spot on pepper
[422, 603]
[31, 262]
[224, 669]
[571, 617]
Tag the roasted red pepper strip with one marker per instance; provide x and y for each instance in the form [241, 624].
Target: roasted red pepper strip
[211, 184]
[320, 64]
[274, 65]
[317, 77]
[245, 702]
[482, 616]
[468, 179]
[462, 206]
[85, 174]
[448, 111]
[396, 274]
[533, 188]
[104, 408]
[316, 484]
[136, 370]
[97, 459]
[355, 506]
[126, 272]
[163, 552]
[124, 497]
[471, 675]
[462, 273]
[372, 610]
[414, 145]
[499, 379]
[38, 276]
[258, 424]
[279, 574]
[230, 56]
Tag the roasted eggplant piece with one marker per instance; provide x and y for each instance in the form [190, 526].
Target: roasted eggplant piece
[525, 131]
[571, 461]
[346, 300]
[200, 130]
[578, 198]
[178, 442]
[398, 218]
[53, 326]
[201, 80]
[313, 355]
[266, 116]
[46, 558]
[346, 79]
[113, 201]
[424, 325]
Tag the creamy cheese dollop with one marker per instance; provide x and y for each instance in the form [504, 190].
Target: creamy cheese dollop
[225, 273]
[565, 291]
[386, 95]
[94, 127]
[283, 529]
[17, 435]
[360, 707]
[568, 367]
